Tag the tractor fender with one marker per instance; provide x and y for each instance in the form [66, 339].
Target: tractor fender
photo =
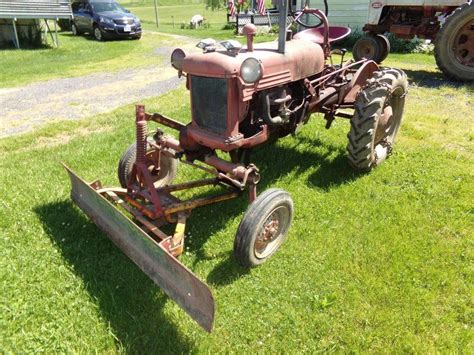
[359, 79]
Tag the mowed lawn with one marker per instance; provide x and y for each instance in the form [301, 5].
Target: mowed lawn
[82, 55]
[172, 17]
[376, 262]
[79, 55]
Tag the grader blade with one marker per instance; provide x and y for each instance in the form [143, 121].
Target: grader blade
[179, 283]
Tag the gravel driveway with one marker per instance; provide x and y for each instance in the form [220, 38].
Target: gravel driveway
[24, 108]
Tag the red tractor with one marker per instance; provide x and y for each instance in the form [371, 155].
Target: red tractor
[241, 98]
[449, 23]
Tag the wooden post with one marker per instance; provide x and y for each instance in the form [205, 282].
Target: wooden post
[56, 33]
[156, 14]
[49, 30]
[17, 41]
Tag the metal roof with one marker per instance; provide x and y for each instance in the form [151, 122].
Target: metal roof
[35, 9]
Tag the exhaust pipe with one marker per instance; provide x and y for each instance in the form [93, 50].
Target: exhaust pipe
[282, 26]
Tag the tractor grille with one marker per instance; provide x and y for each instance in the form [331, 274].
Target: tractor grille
[124, 22]
[209, 100]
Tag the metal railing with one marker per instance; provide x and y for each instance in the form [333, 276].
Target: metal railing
[270, 19]
[35, 9]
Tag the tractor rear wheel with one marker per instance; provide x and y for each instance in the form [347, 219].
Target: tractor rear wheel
[373, 47]
[454, 44]
[377, 117]
[263, 228]
[161, 177]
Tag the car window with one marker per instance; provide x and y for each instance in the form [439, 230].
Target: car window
[78, 6]
[106, 6]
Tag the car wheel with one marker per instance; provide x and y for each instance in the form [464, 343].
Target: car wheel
[98, 34]
[75, 31]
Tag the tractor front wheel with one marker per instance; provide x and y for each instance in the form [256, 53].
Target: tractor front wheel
[454, 44]
[377, 118]
[263, 228]
[162, 175]
[372, 47]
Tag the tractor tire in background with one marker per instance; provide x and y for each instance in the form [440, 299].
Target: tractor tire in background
[373, 47]
[454, 44]
[377, 118]
[263, 228]
[167, 172]
[385, 45]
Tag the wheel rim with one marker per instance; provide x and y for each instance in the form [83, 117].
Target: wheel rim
[366, 49]
[157, 165]
[73, 29]
[463, 45]
[272, 232]
[389, 119]
[98, 34]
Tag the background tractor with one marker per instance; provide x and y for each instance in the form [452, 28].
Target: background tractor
[241, 98]
[449, 23]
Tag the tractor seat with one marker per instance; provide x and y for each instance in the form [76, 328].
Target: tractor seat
[316, 35]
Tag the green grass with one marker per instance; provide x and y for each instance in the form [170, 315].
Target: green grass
[378, 262]
[83, 55]
[171, 17]
[78, 56]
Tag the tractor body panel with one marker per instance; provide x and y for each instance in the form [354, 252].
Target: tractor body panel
[301, 59]
[220, 98]
[376, 7]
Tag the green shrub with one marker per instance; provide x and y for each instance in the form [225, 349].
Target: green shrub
[229, 26]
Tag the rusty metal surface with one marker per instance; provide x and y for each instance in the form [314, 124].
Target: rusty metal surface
[463, 45]
[179, 283]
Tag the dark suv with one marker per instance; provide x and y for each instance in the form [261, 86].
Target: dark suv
[105, 19]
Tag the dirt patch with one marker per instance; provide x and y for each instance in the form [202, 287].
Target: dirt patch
[24, 108]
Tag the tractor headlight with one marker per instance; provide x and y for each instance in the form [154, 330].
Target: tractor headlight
[251, 70]
[177, 58]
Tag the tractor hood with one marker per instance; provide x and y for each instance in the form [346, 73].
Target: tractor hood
[300, 60]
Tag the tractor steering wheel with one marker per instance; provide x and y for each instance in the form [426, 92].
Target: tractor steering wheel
[316, 13]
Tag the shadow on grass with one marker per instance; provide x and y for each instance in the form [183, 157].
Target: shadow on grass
[26, 45]
[332, 170]
[90, 37]
[431, 80]
[127, 299]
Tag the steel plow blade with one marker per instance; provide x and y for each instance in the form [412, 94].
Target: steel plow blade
[178, 282]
